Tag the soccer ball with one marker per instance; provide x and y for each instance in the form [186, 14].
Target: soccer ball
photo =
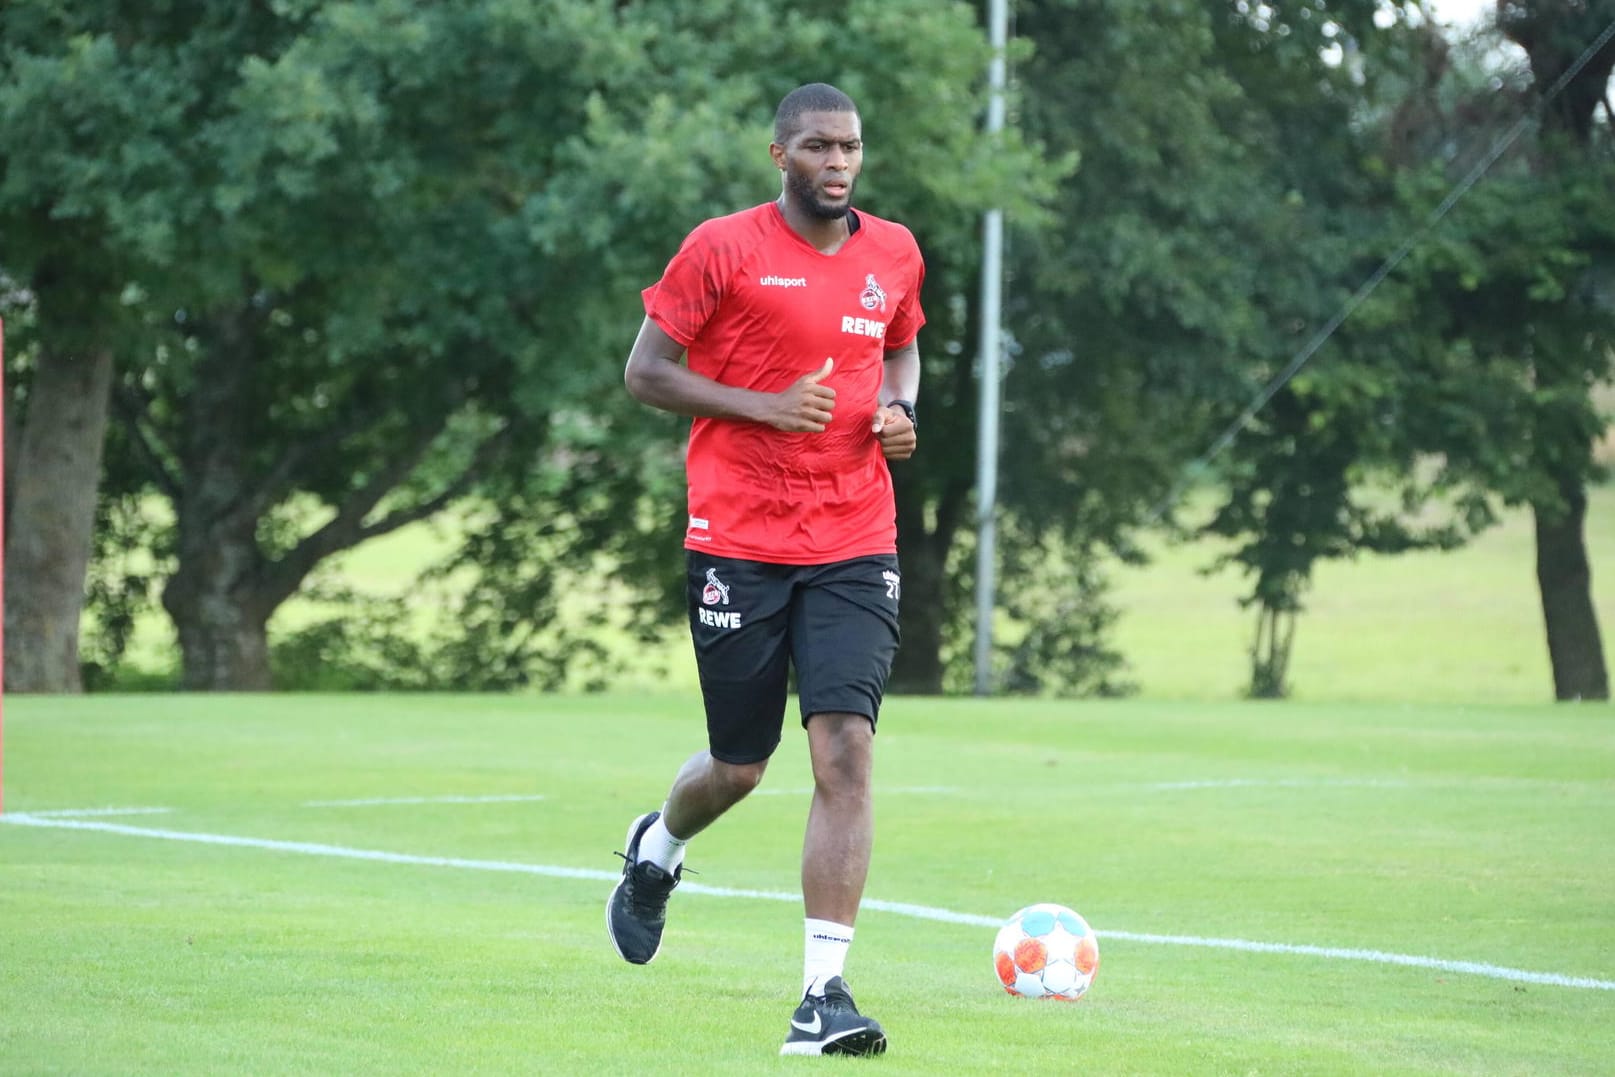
[1046, 951]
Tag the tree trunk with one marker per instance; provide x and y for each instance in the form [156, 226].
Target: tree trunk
[54, 473]
[225, 587]
[1564, 577]
[918, 668]
[924, 554]
[220, 620]
[1270, 654]
[223, 639]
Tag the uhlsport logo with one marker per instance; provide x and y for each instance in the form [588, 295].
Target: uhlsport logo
[716, 590]
[873, 297]
[771, 281]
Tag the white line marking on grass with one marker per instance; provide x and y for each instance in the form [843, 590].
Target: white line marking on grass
[1473, 968]
[922, 912]
[307, 848]
[1281, 783]
[380, 801]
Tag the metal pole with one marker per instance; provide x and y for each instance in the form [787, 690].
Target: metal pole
[992, 344]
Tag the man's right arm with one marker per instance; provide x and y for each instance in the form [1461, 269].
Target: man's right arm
[657, 375]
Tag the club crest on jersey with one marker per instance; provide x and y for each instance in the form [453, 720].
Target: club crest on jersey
[716, 591]
[873, 297]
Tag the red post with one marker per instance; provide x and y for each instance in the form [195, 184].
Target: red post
[2, 565]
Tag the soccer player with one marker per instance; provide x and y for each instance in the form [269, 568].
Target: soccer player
[787, 332]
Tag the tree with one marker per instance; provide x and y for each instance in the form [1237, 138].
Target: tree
[62, 196]
[1555, 35]
[1467, 376]
[1117, 304]
[388, 331]
[1524, 340]
[1513, 295]
[1223, 194]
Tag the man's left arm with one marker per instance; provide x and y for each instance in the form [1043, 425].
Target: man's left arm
[894, 419]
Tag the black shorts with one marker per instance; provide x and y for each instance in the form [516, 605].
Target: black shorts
[752, 621]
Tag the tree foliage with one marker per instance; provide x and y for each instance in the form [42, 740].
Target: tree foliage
[1440, 391]
[1522, 288]
[385, 254]
[1226, 201]
[359, 263]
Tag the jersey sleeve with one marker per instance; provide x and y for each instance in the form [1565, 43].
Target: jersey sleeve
[687, 296]
[908, 319]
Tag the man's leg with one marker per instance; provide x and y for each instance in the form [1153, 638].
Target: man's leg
[844, 637]
[653, 855]
[841, 821]
[704, 789]
[743, 661]
[835, 863]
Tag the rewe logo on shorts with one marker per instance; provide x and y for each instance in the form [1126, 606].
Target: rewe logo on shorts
[718, 618]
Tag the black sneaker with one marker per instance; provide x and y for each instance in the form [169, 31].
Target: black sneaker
[637, 909]
[832, 1025]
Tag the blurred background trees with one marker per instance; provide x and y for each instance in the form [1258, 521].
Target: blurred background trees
[283, 278]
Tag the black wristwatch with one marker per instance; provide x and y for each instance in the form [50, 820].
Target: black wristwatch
[906, 408]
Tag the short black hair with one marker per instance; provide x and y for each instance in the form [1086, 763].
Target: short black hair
[814, 97]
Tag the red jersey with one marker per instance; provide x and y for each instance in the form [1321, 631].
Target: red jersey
[757, 306]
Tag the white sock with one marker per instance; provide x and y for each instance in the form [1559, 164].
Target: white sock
[824, 954]
[660, 847]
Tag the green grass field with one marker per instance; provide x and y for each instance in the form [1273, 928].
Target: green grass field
[1297, 888]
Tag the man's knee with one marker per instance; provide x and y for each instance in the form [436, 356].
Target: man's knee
[736, 780]
[842, 746]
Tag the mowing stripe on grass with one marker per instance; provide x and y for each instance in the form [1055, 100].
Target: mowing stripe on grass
[373, 802]
[900, 789]
[922, 912]
[76, 813]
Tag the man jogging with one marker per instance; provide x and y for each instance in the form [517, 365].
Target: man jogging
[788, 333]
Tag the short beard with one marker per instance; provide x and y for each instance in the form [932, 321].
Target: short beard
[807, 197]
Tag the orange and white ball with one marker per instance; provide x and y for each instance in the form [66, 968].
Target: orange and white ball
[1046, 951]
